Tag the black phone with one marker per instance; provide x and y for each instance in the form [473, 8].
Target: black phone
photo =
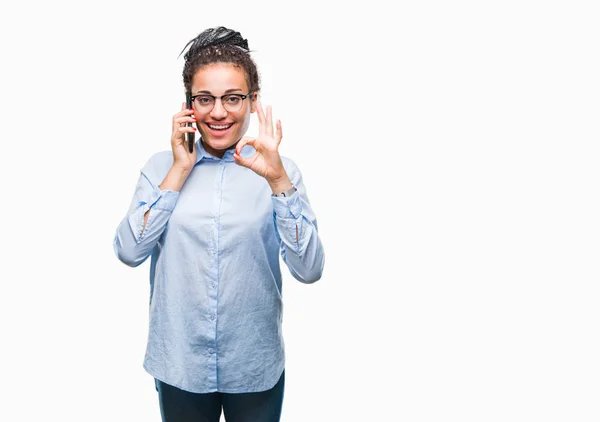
[189, 137]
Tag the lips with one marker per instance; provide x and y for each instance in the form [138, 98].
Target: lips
[218, 130]
[220, 127]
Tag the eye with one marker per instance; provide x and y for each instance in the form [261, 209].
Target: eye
[232, 99]
[204, 100]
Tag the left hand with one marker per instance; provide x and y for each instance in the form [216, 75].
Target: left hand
[266, 161]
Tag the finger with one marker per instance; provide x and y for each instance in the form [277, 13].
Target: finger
[182, 120]
[278, 132]
[269, 121]
[184, 107]
[261, 118]
[186, 113]
[183, 114]
[185, 129]
[246, 140]
[185, 119]
[244, 161]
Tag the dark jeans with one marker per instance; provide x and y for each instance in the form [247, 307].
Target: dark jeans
[182, 406]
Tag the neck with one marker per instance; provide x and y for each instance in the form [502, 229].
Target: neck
[216, 152]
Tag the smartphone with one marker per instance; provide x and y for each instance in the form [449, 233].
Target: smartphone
[189, 137]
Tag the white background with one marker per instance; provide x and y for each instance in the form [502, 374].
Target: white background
[450, 152]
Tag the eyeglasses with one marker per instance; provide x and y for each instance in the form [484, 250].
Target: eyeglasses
[204, 103]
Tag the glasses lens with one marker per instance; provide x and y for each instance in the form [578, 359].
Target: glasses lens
[232, 102]
[204, 103]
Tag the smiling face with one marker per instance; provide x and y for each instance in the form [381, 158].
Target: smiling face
[222, 129]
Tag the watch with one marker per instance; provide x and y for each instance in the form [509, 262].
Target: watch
[286, 193]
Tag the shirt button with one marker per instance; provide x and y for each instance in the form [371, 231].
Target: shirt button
[212, 317]
[211, 351]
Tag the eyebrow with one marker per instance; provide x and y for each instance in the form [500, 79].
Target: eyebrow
[210, 93]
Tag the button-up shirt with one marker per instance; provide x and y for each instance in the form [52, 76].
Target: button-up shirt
[215, 321]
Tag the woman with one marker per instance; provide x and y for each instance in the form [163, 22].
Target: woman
[215, 221]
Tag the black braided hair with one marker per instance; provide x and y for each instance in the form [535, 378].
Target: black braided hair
[219, 45]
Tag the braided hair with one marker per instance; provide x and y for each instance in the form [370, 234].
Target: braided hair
[219, 45]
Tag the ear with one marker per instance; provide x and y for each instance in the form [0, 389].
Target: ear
[253, 102]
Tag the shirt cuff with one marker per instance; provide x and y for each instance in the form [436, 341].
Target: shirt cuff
[287, 207]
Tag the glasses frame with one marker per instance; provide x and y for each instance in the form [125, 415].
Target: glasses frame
[215, 98]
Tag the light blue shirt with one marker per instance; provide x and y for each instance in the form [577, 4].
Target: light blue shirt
[215, 277]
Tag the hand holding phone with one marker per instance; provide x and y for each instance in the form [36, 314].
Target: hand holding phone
[189, 137]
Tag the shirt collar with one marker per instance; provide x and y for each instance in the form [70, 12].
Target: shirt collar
[201, 153]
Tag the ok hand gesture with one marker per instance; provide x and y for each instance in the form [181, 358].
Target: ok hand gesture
[266, 161]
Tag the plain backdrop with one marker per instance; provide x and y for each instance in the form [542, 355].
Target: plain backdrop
[449, 150]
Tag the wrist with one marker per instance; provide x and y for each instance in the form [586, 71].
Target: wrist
[280, 185]
[279, 181]
[180, 171]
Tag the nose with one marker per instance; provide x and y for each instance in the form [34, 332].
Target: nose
[218, 111]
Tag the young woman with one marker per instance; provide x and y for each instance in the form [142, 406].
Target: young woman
[215, 222]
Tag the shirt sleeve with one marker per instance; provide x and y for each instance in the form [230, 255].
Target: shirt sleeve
[133, 243]
[296, 225]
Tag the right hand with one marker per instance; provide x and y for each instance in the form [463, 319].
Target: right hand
[182, 157]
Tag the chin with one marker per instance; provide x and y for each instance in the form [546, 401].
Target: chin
[219, 145]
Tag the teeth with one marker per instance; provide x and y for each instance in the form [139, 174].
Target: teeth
[219, 127]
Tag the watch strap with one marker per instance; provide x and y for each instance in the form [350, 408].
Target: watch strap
[286, 193]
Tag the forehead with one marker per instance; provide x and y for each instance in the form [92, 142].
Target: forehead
[219, 77]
